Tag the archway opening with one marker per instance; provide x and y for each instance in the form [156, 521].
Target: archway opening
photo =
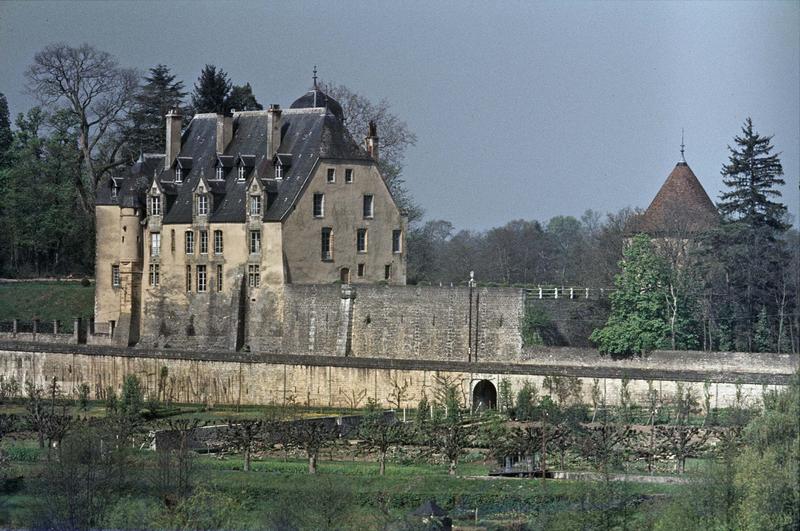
[484, 396]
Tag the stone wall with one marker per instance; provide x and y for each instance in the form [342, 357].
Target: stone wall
[249, 378]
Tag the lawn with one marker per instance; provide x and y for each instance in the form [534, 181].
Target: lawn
[46, 301]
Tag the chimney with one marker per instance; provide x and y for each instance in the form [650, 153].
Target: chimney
[371, 141]
[173, 144]
[274, 132]
[224, 131]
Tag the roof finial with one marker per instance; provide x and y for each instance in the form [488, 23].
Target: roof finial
[315, 76]
[683, 159]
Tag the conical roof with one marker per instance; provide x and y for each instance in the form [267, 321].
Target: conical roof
[681, 206]
[314, 99]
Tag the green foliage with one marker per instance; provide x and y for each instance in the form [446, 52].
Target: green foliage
[763, 333]
[241, 98]
[638, 322]
[527, 399]
[132, 399]
[49, 301]
[538, 328]
[505, 398]
[211, 91]
[153, 100]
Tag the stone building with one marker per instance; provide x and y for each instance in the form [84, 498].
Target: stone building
[237, 207]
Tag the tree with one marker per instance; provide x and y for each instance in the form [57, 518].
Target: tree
[379, 432]
[5, 130]
[211, 91]
[97, 94]
[132, 398]
[153, 100]
[394, 138]
[638, 322]
[527, 398]
[310, 435]
[241, 98]
[245, 436]
[750, 241]
[680, 438]
[447, 433]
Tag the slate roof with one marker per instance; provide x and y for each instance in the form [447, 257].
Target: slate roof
[308, 134]
[315, 98]
[132, 185]
[681, 205]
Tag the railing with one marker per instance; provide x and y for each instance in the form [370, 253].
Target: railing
[570, 293]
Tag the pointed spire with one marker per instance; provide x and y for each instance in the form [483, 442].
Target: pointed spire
[683, 146]
[315, 85]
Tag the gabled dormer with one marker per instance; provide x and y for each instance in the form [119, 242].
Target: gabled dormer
[223, 166]
[255, 197]
[244, 166]
[115, 186]
[182, 167]
[281, 162]
[202, 200]
[155, 199]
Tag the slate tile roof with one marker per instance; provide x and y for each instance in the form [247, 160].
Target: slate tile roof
[680, 206]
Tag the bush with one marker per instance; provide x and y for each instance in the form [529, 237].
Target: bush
[23, 454]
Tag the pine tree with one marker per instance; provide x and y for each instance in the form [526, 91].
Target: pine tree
[211, 91]
[153, 100]
[5, 130]
[241, 98]
[751, 242]
[763, 333]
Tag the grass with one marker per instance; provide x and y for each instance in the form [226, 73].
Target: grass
[46, 301]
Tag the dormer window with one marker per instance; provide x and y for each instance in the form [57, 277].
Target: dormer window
[241, 173]
[154, 206]
[114, 191]
[278, 172]
[178, 174]
[255, 205]
[220, 173]
[202, 205]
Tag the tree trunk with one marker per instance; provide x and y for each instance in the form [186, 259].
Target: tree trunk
[452, 468]
[382, 462]
[312, 463]
[247, 460]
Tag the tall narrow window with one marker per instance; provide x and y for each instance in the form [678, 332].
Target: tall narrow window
[327, 243]
[202, 279]
[202, 205]
[114, 192]
[220, 172]
[189, 242]
[172, 240]
[278, 172]
[253, 276]
[115, 276]
[397, 241]
[155, 243]
[348, 175]
[241, 173]
[368, 211]
[217, 242]
[319, 205]
[155, 275]
[361, 270]
[331, 175]
[219, 278]
[387, 272]
[255, 205]
[155, 205]
[255, 241]
[188, 278]
[203, 242]
[361, 240]
[178, 174]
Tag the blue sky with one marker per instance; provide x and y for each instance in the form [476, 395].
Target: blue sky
[522, 109]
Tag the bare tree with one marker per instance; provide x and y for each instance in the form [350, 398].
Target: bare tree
[379, 432]
[245, 436]
[311, 436]
[98, 94]
[399, 392]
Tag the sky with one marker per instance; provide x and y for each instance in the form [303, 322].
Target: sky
[522, 110]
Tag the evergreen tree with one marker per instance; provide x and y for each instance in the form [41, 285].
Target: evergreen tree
[763, 334]
[5, 129]
[241, 98]
[751, 243]
[211, 91]
[638, 322]
[153, 100]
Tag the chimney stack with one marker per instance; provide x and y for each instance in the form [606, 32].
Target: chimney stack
[371, 141]
[274, 132]
[173, 144]
[224, 132]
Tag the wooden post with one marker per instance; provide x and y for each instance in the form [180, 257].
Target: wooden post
[35, 328]
[15, 326]
[55, 326]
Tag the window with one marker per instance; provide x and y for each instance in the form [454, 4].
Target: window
[220, 172]
[368, 211]
[397, 241]
[188, 278]
[361, 270]
[327, 243]
[219, 278]
[255, 205]
[115, 276]
[387, 272]
[172, 240]
[155, 206]
[189, 242]
[348, 175]
[331, 175]
[319, 205]
[201, 279]
[241, 173]
[253, 276]
[255, 241]
[154, 275]
[202, 205]
[178, 175]
[217, 242]
[114, 191]
[203, 242]
[155, 243]
[278, 172]
[361, 240]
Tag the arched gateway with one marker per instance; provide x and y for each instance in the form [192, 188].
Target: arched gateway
[484, 396]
